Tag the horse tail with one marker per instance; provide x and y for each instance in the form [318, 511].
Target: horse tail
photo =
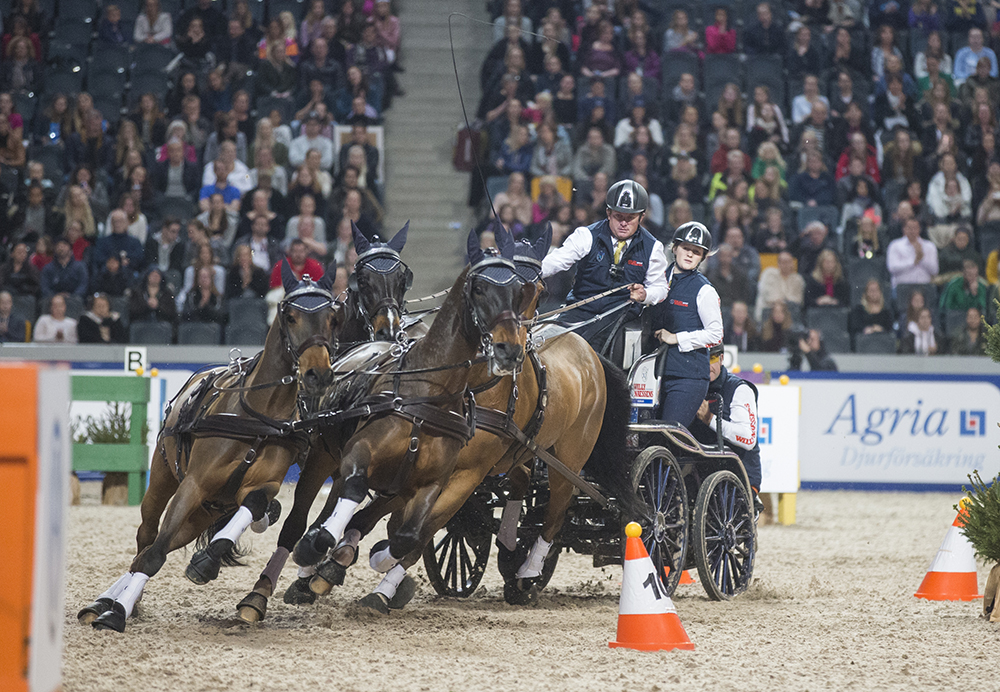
[609, 462]
[231, 558]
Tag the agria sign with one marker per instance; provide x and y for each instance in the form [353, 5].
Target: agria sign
[898, 431]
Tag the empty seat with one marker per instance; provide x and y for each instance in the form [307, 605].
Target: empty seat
[174, 279]
[248, 311]
[904, 291]
[182, 208]
[266, 104]
[110, 107]
[988, 236]
[953, 321]
[719, 71]
[151, 58]
[769, 71]
[76, 30]
[64, 81]
[106, 83]
[875, 343]
[829, 215]
[674, 65]
[149, 83]
[832, 324]
[296, 7]
[110, 59]
[53, 159]
[26, 105]
[244, 334]
[79, 10]
[860, 271]
[26, 307]
[119, 304]
[151, 333]
[201, 333]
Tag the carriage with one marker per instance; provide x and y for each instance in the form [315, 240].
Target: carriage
[700, 512]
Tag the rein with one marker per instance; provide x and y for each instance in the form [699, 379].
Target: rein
[565, 308]
[432, 296]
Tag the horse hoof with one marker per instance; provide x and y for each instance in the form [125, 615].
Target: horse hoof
[312, 547]
[342, 550]
[252, 608]
[320, 586]
[113, 619]
[298, 593]
[94, 610]
[269, 519]
[376, 602]
[204, 565]
[520, 592]
[332, 572]
[404, 593]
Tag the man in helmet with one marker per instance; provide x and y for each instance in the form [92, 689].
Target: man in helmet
[687, 323]
[734, 400]
[615, 251]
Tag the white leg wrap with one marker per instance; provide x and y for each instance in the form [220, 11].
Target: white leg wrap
[275, 565]
[387, 587]
[236, 526]
[306, 572]
[532, 567]
[382, 561]
[132, 592]
[507, 535]
[342, 513]
[115, 590]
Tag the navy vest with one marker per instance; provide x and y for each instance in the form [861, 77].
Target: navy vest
[593, 272]
[725, 386]
[679, 313]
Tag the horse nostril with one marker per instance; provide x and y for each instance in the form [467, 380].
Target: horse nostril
[311, 377]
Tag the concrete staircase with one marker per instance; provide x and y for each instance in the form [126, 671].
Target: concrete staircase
[421, 184]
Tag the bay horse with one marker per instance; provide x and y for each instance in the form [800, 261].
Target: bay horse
[227, 442]
[402, 455]
[581, 417]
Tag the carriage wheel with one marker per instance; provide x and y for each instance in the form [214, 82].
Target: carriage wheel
[656, 477]
[724, 535]
[456, 559]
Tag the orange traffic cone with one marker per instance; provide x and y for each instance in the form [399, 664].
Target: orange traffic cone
[647, 620]
[686, 578]
[952, 575]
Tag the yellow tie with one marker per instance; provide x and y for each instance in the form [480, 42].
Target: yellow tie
[619, 249]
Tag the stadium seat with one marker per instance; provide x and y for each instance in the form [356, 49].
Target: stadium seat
[26, 306]
[266, 104]
[251, 311]
[832, 323]
[77, 10]
[26, 106]
[110, 59]
[719, 71]
[200, 333]
[108, 84]
[110, 107]
[245, 335]
[875, 343]
[78, 31]
[148, 83]
[296, 7]
[174, 280]
[74, 306]
[830, 216]
[904, 291]
[64, 81]
[674, 65]
[859, 271]
[768, 70]
[952, 321]
[988, 235]
[151, 58]
[151, 333]
[119, 304]
[182, 208]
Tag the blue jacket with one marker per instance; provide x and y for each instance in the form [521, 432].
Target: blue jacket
[69, 279]
[115, 244]
[679, 313]
[593, 272]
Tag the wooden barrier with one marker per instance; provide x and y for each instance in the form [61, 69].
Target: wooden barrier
[131, 458]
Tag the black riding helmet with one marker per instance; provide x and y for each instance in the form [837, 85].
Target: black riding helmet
[693, 233]
[628, 197]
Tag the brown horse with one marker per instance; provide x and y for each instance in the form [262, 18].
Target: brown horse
[584, 422]
[395, 454]
[227, 443]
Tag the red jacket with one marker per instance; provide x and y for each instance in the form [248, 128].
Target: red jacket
[311, 267]
[871, 164]
[716, 42]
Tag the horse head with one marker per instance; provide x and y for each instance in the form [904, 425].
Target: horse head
[308, 316]
[380, 282]
[496, 300]
[528, 258]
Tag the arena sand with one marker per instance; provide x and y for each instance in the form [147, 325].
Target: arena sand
[831, 608]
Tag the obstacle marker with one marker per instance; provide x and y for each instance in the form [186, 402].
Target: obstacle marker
[686, 578]
[647, 619]
[952, 575]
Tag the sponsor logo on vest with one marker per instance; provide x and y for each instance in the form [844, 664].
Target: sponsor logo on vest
[635, 263]
[681, 303]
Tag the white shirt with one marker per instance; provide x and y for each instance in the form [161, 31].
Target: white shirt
[577, 246]
[238, 178]
[710, 313]
[901, 259]
[49, 328]
[301, 146]
[741, 428]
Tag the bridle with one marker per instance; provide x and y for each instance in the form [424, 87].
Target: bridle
[498, 271]
[309, 298]
[381, 260]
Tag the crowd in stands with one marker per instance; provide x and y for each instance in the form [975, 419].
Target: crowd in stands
[158, 159]
[843, 152]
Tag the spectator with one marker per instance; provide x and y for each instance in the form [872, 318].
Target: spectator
[205, 258]
[99, 325]
[119, 242]
[516, 195]
[885, 45]
[311, 139]
[13, 328]
[153, 25]
[276, 75]
[600, 58]
[868, 242]
[594, 156]
[203, 303]
[515, 152]
[924, 16]
[152, 301]
[777, 328]
[176, 177]
[953, 255]
[815, 133]
[893, 107]
[138, 224]
[970, 340]
[213, 21]
[64, 274]
[771, 235]
[912, 259]
[165, 249]
[19, 276]
[640, 58]
[222, 188]
[265, 251]
[111, 279]
[720, 37]
[551, 155]
[680, 36]
[512, 16]
[802, 104]
[982, 78]
[966, 291]
[826, 286]
[638, 117]
[245, 279]
[814, 350]
[764, 36]
[871, 315]
[967, 57]
[812, 186]
[936, 194]
[300, 263]
[21, 72]
[802, 57]
[922, 338]
[220, 223]
[55, 327]
[308, 227]
[35, 217]
[741, 330]
[42, 255]
[726, 182]
[729, 280]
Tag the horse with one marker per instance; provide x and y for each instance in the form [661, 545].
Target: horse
[226, 443]
[396, 454]
[580, 418]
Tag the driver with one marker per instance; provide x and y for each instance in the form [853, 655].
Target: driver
[612, 252]
[734, 400]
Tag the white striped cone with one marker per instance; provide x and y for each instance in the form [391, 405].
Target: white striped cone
[952, 575]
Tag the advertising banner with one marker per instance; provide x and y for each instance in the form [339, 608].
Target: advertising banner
[887, 432]
[778, 436]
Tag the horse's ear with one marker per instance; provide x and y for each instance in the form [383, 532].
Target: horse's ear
[541, 246]
[361, 243]
[505, 241]
[288, 280]
[399, 240]
[472, 248]
[326, 283]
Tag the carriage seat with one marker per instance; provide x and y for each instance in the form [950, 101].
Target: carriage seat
[367, 356]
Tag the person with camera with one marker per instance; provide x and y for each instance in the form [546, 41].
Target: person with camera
[687, 323]
[732, 401]
[810, 345]
[613, 252]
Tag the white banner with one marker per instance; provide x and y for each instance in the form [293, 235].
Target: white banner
[778, 436]
[898, 431]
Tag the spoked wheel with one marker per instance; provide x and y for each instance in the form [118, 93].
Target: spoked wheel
[456, 558]
[656, 477]
[724, 535]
